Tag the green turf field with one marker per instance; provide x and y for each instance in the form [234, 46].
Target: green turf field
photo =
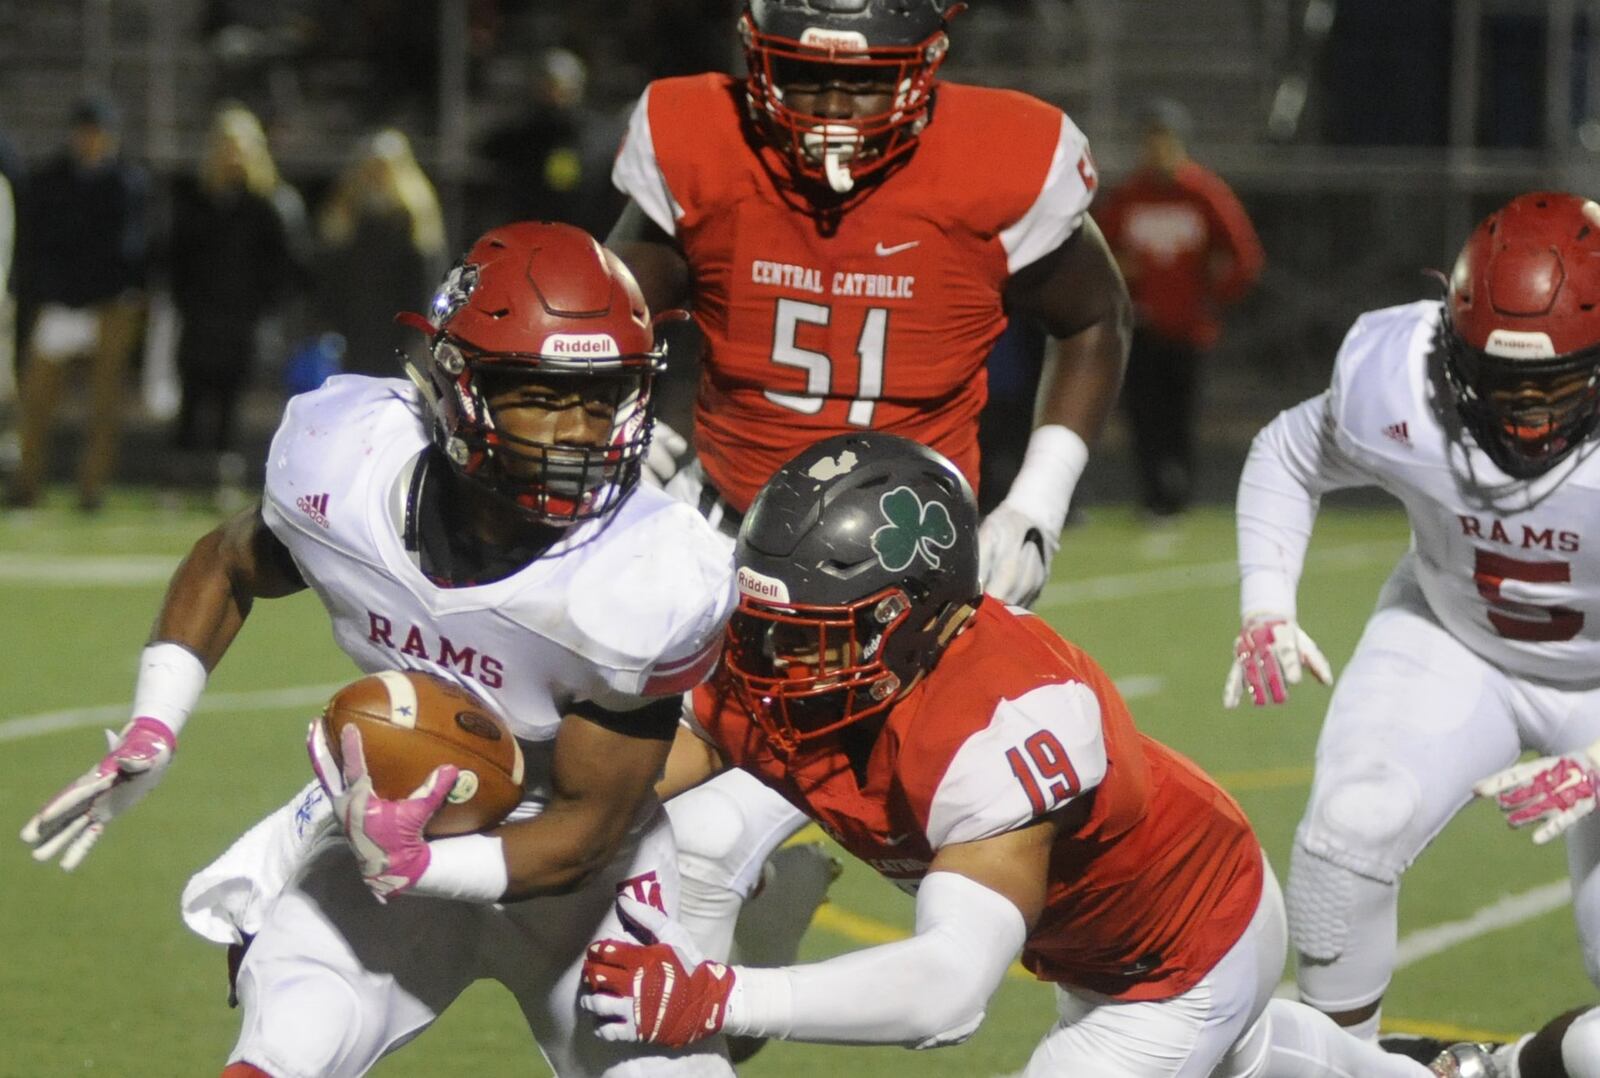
[98, 975]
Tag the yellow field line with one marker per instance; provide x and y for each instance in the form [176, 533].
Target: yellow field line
[1444, 1031]
[1265, 778]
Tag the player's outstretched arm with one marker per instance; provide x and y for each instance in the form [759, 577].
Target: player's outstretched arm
[1077, 294]
[1291, 463]
[1553, 792]
[974, 909]
[207, 601]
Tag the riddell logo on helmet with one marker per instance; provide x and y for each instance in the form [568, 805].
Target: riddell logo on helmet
[759, 586]
[585, 345]
[1520, 344]
[820, 37]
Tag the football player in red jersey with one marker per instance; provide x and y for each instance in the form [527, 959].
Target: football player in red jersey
[979, 761]
[852, 236]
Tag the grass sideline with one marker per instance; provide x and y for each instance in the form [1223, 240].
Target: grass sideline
[101, 978]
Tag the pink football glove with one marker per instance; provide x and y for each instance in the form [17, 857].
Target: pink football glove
[386, 835]
[1554, 792]
[73, 820]
[1268, 656]
[660, 990]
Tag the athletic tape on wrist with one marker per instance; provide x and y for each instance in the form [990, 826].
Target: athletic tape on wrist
[471, 868]
[1043, 488]
[171, 679]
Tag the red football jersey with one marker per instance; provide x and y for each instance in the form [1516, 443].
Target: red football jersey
[1146, 893]
[881, 321]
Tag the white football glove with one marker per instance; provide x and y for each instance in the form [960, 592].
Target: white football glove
[1554, 792]
[72, 821]
[669, 452]
[1014, 555]
[1269, 655]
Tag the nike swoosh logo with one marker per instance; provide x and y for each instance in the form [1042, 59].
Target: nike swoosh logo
[884, 252]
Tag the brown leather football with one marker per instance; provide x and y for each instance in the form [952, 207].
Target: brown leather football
[412, 722]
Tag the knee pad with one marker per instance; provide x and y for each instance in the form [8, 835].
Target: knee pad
[1365, 815]
[1343, 927]
[724, 830]
[707, 825]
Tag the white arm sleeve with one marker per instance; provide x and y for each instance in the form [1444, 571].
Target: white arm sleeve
[923, 992]
[1293, 461]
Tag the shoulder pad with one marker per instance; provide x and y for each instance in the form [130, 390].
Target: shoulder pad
[651, 604]
[1038, 752]
[330, 437]
[1380, 376]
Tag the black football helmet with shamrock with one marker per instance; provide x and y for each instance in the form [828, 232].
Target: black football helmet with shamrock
[857, 564]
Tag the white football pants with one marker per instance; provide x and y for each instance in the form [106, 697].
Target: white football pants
[1227, 1026]
[725, 830]
[335, 979]
[1415, 719]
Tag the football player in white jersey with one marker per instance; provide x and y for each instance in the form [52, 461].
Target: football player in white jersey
[485, 523]
[1478, 413]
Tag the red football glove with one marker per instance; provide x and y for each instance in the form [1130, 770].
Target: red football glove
[658, 991]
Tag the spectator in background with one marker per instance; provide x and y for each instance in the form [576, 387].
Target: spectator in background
[381, 249]
[81, 259]
[547, 166]
[1186, 248]
[231, 260]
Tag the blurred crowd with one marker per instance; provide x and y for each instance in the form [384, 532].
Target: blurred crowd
[177, 299]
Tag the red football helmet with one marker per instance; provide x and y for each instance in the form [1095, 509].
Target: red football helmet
[541, 302]
[897, 45]
[1523, 341]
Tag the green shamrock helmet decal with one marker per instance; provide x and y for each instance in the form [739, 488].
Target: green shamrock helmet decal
[915, 529]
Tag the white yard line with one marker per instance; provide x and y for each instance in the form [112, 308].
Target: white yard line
[50, 722]
[88, 571]
[1215, 574]
[297, 696]
[138, 570]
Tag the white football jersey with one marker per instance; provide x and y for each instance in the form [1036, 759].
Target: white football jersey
[622, 608]
[1500, 560]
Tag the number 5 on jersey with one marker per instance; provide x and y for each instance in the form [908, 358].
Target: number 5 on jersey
[819, 367]
[1046, 775]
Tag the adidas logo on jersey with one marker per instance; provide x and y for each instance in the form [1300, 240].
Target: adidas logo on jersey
[1397, 432]
[315, 506]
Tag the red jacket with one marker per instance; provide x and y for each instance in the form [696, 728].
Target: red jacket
[1187, 246]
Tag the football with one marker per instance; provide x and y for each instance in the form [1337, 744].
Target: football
[412, 722]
